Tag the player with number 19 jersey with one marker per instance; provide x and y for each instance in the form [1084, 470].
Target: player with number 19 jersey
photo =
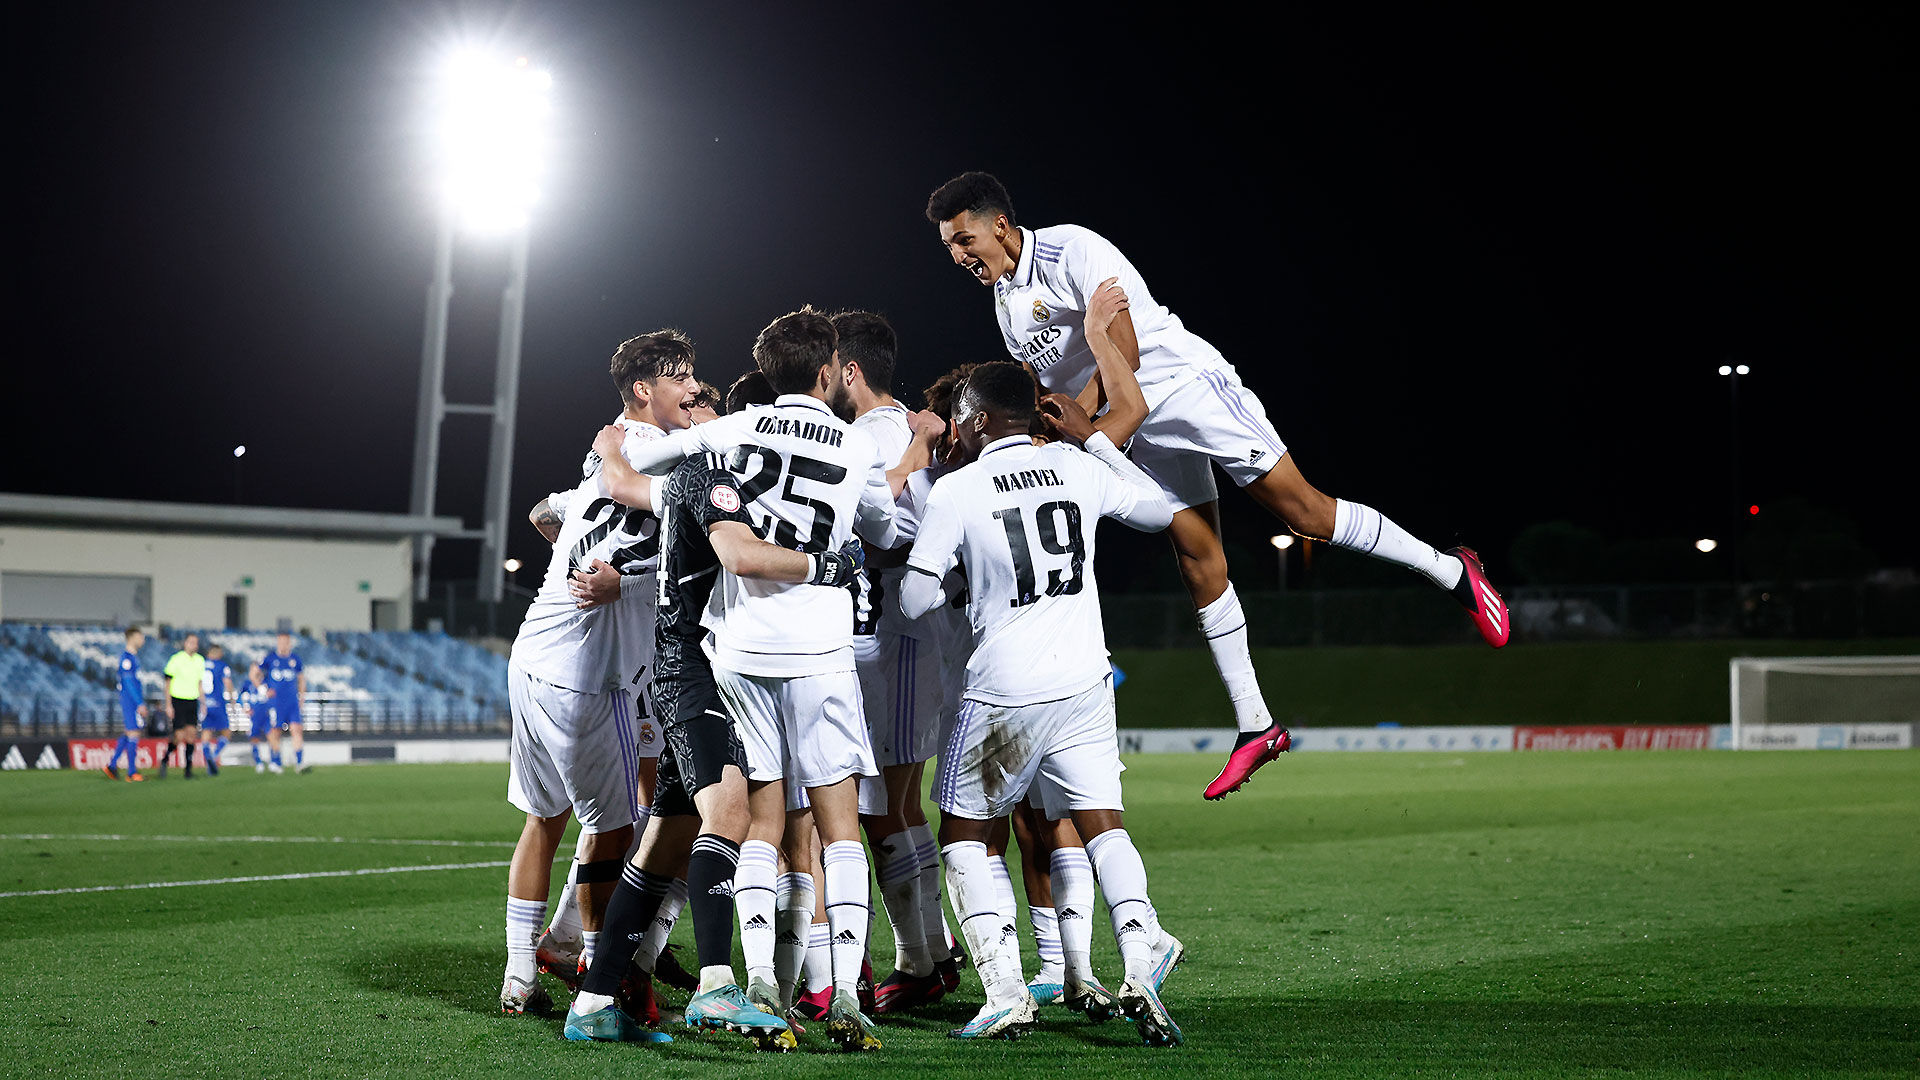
[1021, 519]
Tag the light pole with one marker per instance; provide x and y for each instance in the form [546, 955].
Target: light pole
[1733, 373]
[1280, 544]
[491, 121]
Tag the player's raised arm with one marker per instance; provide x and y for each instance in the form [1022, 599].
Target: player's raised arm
[927, 428]
[1115, 365]
[934, 550]
[624, 482]
[1132, 498]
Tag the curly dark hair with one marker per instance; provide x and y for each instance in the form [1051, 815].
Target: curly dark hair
[970, 192]
[868, 340]
[1004, 387]
[749, 390]
[793, 348]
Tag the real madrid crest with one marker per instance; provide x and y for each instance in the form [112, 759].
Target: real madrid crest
[1040, 312]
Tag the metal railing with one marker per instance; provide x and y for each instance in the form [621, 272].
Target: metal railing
[97, 715]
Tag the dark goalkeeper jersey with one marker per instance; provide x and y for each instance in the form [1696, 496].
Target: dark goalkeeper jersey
[699, 493]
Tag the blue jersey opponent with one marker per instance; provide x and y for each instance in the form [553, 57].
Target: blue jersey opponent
[133, 709]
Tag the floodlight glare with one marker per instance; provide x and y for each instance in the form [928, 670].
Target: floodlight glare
[1282, 542]
[512, 566]
[490, 139]
[239, 451]
[1741, 370]
[1725, 370]
[1705, 545]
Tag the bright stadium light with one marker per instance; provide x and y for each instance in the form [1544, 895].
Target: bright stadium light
[1740, 369]
[490, 139]
[239, 451]
[1705, 544]
[512, 566]
[1282, 542]
[1725, 370]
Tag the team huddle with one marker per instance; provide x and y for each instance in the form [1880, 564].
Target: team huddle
[757, 630]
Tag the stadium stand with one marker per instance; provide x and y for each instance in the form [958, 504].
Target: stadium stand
[57, 680]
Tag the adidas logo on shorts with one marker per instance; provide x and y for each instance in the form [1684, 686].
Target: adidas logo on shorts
[1254, 457]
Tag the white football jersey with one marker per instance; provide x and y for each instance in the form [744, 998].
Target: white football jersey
[634, 611]
[893, 433]
[558, 643]
[1021, 520]
[1042, 310]
[811, 482]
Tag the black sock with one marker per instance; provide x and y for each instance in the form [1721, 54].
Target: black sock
[710, 894]
[636, 900]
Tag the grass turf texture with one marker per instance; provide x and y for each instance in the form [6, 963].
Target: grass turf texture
[1616, 682]
[1652, 914]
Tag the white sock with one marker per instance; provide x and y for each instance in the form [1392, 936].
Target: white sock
[1123, 878]
[988, 930]
[524, 918]
[753, 879]
[566, 912]
[1072, 874]
[585, 1004]
[899, 872]
[818, 968]
[1046, 941]
[1366, 530]
[655, 941]
[933, 914]
[1224, 626]
[715, 977]
[589, 941]
[849, 910]
[792, 926]
[1003, 887]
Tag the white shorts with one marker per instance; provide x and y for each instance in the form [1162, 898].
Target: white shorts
[1209, 419]
[900, 690]
[571, 751]
[998, 752]
[808, 729]
[648, 738]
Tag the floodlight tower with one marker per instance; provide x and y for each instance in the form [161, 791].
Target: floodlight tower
[490, 135]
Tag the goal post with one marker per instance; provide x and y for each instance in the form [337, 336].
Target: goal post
[1796, 692]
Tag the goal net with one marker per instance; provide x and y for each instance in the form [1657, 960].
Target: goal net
[1824, 702]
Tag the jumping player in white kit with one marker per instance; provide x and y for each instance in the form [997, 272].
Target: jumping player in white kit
[1199, 416]
[573, 747]
[1038, 706]
[783, 654]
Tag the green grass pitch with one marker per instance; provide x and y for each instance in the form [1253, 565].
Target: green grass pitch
[1555, 915]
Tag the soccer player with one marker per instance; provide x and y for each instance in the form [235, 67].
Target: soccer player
[783, 654]
[217, 685]
[899, 675]
[706, 404]
[256, 697]
[653, 374]
[185, 672]
[702, 783]
[286, 676]
[133, 709]
[1039, 697]
[1199, 416]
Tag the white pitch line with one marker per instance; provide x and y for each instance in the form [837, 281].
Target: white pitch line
[257, 877]
[257, 839]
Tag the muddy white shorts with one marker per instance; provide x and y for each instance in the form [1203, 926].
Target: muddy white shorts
[997, 753]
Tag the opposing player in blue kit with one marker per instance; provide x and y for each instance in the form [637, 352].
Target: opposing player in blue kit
[214, 723]
[286, 676]
[133, 709]
[256, 700]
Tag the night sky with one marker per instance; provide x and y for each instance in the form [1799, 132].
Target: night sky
[1481, 265]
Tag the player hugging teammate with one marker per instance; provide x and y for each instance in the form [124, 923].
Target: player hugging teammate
[805, 600]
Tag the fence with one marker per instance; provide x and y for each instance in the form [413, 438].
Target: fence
[1819, 609]
[98, 716]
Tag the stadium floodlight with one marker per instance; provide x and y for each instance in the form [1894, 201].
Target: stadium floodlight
[240, 451]
[491, 118]
[490, 136]
[1705, 544]
[512, 566]
[1282, 542]
[1725, 369]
